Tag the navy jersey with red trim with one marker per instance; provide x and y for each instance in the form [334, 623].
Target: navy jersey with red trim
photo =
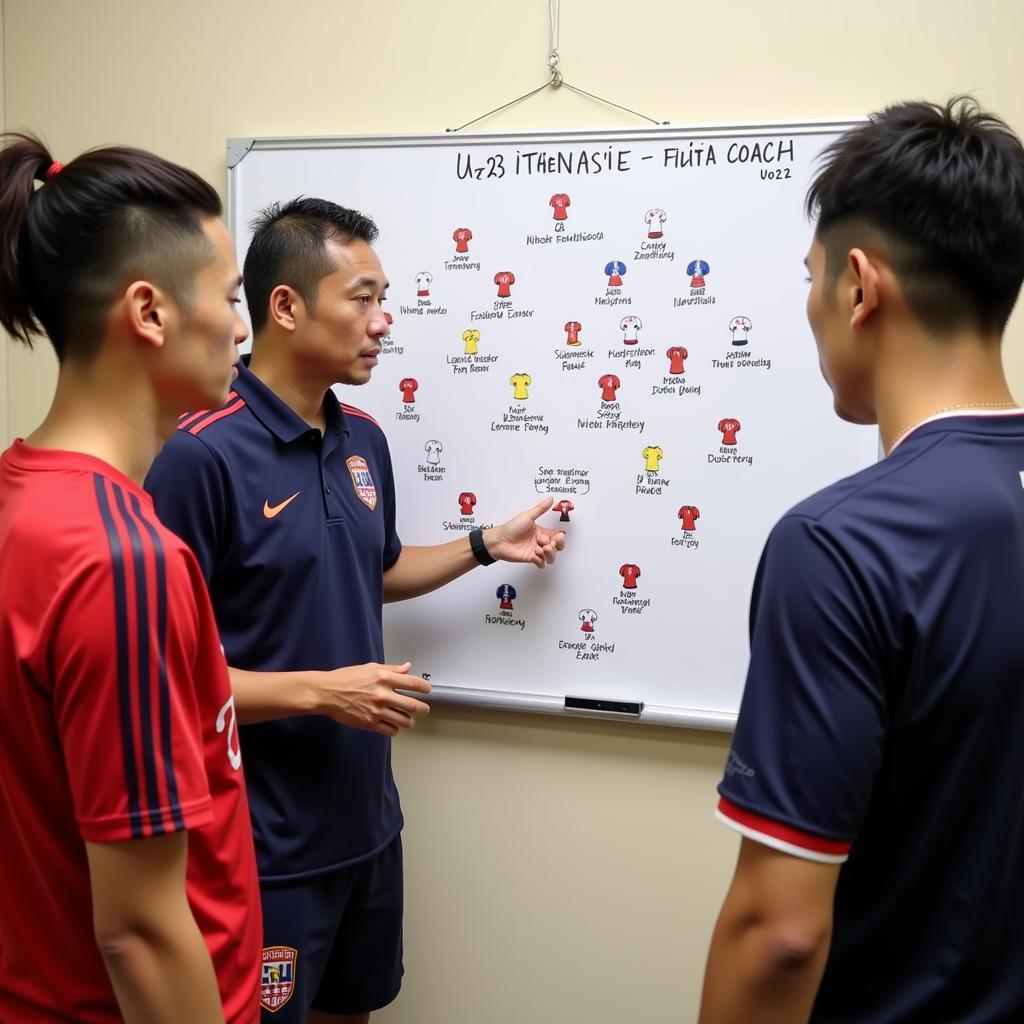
[293, 531]
[116, 724]
[882, 717]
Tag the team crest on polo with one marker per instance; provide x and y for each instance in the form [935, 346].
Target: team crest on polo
[363, 483]
[277, 976]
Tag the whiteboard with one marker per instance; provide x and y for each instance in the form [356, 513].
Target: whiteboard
[615, 319]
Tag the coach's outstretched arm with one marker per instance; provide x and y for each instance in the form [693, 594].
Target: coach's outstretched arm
[419, 570]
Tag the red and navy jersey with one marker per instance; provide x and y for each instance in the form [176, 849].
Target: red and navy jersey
[882, 722]
[293, 531]
[116, 724]
[615, 269]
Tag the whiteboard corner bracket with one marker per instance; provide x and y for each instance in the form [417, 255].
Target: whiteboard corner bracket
[237, 148]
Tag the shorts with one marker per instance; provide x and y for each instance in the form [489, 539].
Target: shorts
[333, 942]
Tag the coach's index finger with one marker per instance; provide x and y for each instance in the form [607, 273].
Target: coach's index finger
[403, 681]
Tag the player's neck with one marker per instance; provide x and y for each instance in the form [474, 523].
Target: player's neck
[303, 396]
[926, 376]
[111, 416]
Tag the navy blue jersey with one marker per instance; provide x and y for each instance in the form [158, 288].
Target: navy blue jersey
[882, 720]
[293, 532]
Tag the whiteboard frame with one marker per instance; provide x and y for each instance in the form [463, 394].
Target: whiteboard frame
[240, 147]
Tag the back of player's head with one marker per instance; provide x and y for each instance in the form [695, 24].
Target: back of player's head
[71, 243]
[940, 189]
[289, 247]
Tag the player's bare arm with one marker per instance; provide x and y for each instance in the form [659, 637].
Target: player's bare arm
[158, 963]
[419, 570]
[771, 941]
[361, 696]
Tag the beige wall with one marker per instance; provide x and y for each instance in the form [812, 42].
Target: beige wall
[557, 872]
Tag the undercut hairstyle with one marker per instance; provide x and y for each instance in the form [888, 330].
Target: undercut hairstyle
[940, 191]
[289, 247]
[68, 246]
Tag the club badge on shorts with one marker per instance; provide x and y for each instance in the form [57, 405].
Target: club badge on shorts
[366, 490]
[277, 976]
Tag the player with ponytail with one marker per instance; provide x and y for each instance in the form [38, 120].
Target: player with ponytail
[129, 874]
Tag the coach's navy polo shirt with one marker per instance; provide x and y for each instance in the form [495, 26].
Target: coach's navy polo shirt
[293, 532]
[883, 721]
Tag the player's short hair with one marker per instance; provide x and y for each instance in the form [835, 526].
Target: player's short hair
[289, 247]
[940, 190]
[68, 245]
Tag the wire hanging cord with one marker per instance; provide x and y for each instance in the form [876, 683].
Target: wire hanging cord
[556, 80]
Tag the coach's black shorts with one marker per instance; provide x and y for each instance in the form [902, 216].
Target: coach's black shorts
[333, 942]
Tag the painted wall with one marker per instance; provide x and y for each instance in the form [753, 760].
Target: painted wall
[556, 872]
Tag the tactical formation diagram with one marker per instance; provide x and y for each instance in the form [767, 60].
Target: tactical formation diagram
[613, 320]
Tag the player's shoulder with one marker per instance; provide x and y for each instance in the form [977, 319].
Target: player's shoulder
[840, 501]
[105, 523]
[876, 513]
[60, 519]
[890, 489]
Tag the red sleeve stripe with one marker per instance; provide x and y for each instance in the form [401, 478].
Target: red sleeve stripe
[351, 410]
[232, 407]
[782, 837]
[140, 613]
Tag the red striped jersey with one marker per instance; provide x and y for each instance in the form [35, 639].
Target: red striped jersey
[116, 723]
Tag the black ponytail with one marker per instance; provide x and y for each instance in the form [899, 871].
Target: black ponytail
[23, 163]
[68, 244]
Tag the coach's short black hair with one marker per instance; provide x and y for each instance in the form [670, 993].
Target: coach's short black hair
[289, 246]
[941, 190]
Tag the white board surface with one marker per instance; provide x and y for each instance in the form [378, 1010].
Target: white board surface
[513, 370]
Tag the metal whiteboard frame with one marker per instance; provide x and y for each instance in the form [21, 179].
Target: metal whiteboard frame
[240, 147]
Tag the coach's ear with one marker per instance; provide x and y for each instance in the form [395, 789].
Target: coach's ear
[285, 306]
[863, 290]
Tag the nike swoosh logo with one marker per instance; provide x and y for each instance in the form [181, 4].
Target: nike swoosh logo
[269, 511]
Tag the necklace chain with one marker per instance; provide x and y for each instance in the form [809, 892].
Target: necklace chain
[949, 408]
